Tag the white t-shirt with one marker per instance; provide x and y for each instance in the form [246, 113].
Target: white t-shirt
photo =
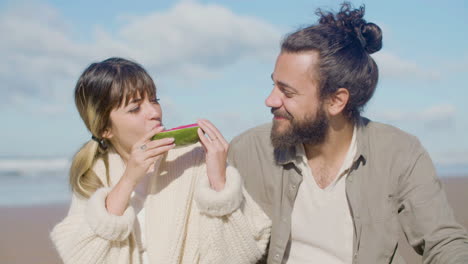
[137, 201]
[321, 225]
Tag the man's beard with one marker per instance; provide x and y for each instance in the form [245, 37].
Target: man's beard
[307, 131]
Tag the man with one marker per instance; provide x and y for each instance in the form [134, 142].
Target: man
[339, 187]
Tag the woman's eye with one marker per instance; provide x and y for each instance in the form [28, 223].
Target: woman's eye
[135, 109]
[155, 100]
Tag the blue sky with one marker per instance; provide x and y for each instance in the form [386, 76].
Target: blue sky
[213, 59]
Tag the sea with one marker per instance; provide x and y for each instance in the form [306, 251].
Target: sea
[41, 181]
[34, 181]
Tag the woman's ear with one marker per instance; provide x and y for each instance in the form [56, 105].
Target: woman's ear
[338, 101]
[107, 134]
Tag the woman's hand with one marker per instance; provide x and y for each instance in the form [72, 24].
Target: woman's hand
[143, 155]
[216, 148]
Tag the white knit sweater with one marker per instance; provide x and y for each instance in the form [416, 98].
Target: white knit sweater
[219, 227]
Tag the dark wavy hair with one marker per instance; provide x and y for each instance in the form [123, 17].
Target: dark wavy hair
[344, 42]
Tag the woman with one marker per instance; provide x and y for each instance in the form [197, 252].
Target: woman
[137, 200]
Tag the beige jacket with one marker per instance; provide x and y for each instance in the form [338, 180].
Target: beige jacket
[219, 227]
[392, 186]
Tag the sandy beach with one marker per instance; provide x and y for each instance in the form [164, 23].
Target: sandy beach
[25, 240]
[25, 234]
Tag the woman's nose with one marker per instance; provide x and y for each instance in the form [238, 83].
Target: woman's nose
[153, 111]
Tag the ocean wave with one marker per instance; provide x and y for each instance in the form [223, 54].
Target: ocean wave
[34, 167]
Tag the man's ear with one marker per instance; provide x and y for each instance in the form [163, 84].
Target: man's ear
[107, 134]
[337, 101]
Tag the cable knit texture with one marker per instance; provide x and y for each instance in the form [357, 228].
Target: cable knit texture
[104, 224]
[186, 221]
[220, 203]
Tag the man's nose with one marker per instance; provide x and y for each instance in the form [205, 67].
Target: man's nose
[274, 99]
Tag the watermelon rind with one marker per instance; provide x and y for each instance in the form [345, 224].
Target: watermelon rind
[182, 137]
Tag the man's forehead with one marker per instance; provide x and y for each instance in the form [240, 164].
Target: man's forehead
[295, 66]
[299, 59]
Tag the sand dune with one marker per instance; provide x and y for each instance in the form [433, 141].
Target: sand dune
[25, 240]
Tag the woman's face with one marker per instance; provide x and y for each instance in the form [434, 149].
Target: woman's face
[130, 123]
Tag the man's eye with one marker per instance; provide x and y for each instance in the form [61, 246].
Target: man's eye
[287, 93]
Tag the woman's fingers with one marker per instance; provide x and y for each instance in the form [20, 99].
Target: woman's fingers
[153, 153]
[144, 140]
[146, 148]
[159, 142]
[204, 141]
[156, 147]
[216, 153]
[212, 132]
[208, 128]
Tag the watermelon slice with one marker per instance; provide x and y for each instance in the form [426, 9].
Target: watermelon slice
[183, 135]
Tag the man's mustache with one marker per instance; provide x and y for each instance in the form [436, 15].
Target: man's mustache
[279, 113]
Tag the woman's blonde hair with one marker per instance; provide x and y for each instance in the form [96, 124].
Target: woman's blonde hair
[102, 87]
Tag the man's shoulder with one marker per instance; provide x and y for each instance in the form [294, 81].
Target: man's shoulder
[383, 129]
[388, 136]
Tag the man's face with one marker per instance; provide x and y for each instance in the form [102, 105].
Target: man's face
[299, 114]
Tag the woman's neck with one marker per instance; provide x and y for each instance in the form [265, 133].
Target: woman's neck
[123, 153]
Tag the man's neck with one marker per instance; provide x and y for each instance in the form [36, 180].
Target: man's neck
[327, 158]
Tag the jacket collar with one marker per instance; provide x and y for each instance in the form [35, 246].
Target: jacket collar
[362, 152]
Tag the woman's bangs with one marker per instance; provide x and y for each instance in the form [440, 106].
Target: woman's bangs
[141, 86]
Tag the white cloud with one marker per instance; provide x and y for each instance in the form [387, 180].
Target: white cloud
[438, 117]
[203, 35]
[37, 54]
[392, 66]
[191, 40]
[438, 112]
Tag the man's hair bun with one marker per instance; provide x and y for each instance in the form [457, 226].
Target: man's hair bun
[372, 34]
[351, 21]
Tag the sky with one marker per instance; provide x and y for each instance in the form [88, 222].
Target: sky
[213, 59]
